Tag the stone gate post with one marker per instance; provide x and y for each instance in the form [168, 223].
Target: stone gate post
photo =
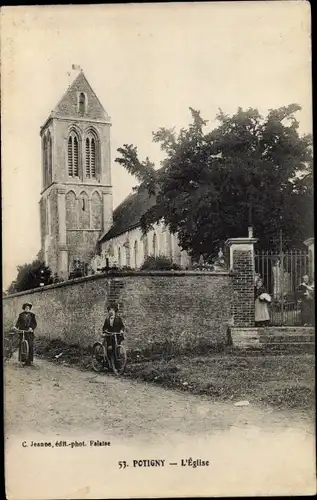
[310, 243]
[241, 258]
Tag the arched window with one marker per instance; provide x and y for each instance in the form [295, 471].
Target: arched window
[91, 157]
[136, 254]
[119, 257]
[49, 158]
[169, 245]
[154, 245]
[96, 211]
[111, 250]
[44, 145]
[73, 155]
[71, 210]
[82, 103]
[83, 214]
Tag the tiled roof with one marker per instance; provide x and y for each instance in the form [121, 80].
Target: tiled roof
[128, 214]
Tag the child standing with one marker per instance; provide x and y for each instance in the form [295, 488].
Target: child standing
[113, 324]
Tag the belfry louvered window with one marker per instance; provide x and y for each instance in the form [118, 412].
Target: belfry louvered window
[73, 155]
[45, 161]
[49, 158]
[90, 157]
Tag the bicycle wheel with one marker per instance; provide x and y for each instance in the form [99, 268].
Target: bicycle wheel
[7, 349]
[99, 356]
[119, 360]
[24, 352]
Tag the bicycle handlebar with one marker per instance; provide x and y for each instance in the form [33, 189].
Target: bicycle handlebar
[16, 330]
[109, 334]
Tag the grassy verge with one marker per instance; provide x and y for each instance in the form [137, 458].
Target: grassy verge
[279, 379]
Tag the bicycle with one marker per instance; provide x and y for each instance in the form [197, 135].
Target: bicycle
[10, 348]
[113, 357]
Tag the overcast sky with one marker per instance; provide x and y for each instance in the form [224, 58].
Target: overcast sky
[147, 64]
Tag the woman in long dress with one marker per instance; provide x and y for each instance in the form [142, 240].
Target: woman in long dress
[261, 309]
[307, 297]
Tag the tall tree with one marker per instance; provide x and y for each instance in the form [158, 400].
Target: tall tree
[31, 276]
[248, 170]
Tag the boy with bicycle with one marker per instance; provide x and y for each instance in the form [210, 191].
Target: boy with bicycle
[27, 322]
[113, 324]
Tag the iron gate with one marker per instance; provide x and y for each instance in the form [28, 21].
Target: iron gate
[281, 274]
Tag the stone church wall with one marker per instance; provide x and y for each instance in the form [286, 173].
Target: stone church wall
[81, 245]
[54, 236]
[49, 229]
[159, 309]
[158, 241]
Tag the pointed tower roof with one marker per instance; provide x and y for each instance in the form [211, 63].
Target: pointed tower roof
[68, 105]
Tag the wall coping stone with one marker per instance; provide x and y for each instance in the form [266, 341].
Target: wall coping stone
[119, 274]
[309, 241]
[240, 241]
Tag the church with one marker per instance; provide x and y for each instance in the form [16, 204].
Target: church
[79, 228]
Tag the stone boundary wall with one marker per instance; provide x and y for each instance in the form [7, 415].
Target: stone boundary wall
[160, 309]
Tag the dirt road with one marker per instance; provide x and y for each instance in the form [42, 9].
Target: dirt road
[62, 399]
[56, 401]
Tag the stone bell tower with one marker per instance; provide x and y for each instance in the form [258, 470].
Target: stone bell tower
[76, 197]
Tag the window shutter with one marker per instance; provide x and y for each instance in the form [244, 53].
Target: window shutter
[70, 156]
[75, 160]
[93, 158]
[87, 157]
[49, 159]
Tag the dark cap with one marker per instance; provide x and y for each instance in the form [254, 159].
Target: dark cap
[113, 306]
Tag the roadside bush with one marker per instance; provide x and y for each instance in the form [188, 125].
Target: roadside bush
[7, 325]
[160, 263]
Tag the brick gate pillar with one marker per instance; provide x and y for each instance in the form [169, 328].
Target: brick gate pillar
[241, 257]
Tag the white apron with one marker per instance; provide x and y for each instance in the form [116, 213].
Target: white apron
[261, 310]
